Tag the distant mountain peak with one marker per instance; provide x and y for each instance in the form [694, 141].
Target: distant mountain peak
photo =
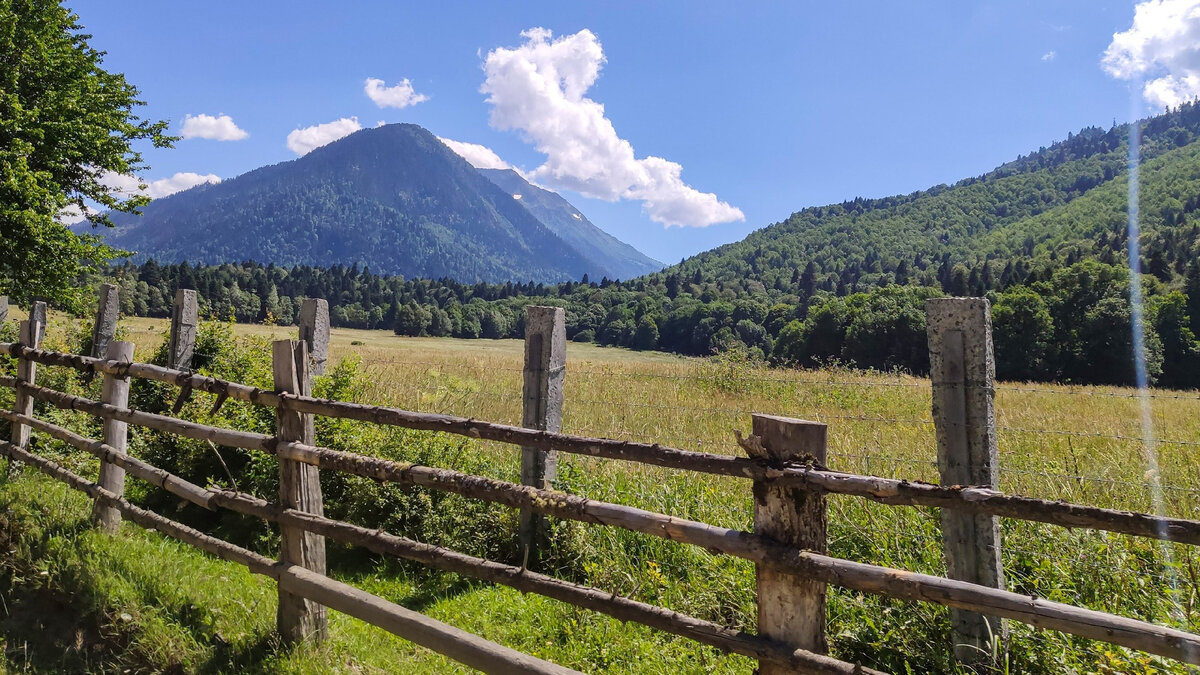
[393, 198]
[616, 259]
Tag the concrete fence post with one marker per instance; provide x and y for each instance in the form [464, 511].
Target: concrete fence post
[39, 317]
[185, 318]
[107, 310]
[963, 370]
[298, 619]
[542, 403]
[112, 477]
[314, 332]
[790, 608]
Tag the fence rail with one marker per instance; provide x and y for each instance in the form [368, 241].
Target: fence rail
[792, 484]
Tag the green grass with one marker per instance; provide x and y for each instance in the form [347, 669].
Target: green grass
[878, 424]
[77, 600]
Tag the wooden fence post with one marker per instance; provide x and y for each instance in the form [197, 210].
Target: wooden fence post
[30, 335]
[3, 309]
[790, 608]
[112, 477]
[105, 329]
[314, 331]
[299, 488]
[962, 369]
[185, 317]
[542, 403]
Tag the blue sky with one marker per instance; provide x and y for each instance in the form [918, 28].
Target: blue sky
[769, 106]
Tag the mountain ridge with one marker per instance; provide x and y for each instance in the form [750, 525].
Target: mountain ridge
[393, 198]
[620, 259]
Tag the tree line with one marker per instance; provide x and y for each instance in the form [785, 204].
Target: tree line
[1071, 323]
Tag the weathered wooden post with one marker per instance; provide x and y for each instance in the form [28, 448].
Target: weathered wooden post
[542, 403]
[29, 334]
[112, 477]
[314, 332]
[790, 608]
[3, 309]
[962, 369]
[185, 317]
[107, 311]
[298, 619]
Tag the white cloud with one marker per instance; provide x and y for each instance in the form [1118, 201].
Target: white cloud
[400, 95]
[219, 128]
[1050, 55]
[304, 141]
[1163, 44]
[479, 156]
[73, 215]
[539, 88]
[129, 186]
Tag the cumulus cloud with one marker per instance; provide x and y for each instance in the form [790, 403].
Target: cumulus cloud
[1163, 44]
[130, 186]
[1050, 55]
[304, 141]
[479, 156]
[539, 89]
[400, 95]
[219, 128]
[73, 215]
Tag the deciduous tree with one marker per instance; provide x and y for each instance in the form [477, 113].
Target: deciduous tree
[66, 125]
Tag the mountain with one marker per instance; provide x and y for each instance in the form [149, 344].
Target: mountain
[618, 259]
[1058, 205]
[392, 198]
[1043, 236]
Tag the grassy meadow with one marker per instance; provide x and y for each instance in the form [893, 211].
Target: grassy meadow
[141, 603]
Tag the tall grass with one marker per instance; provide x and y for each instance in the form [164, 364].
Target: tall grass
[1071, 443]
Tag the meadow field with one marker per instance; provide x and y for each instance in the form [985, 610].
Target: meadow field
[143, 603]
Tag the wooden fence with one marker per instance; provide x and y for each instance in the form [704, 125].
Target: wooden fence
[785, 466]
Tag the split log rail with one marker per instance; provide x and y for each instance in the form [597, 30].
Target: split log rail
[785, 467]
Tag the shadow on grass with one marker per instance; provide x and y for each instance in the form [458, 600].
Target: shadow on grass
[56, 613]
[59, 612]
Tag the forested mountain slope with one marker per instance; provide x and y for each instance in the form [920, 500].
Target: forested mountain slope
[613, 257]
[1044, 237]
[1018, 216]
[392, 198]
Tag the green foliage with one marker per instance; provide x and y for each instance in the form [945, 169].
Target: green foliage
[189, 612]
[842, 283]
[65, 123]
[413, 319]
[1023, 334]
[1180, 348]
[883, 329]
